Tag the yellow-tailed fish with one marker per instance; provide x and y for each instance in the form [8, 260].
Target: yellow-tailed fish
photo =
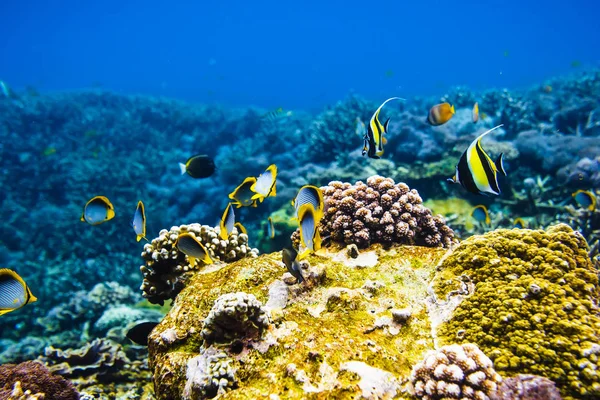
[310, 194]
[440, 114]
[14, 292]
[519, 223]
[240, 228]
[481, 214]
[98, 210]
[476, 171]
[199, 166]
[227, 222]
[139, 221]
[585, 199]
[275, 115]
[373, 139]
[310, 237]
[288, 256]
[270, 228]
[265, 185]
[195, 251]
[475, 113]
[242, 195]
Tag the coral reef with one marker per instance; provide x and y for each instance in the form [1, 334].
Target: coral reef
[165, 267]
[528, 299]
[454, 371]
[526, 387]
[33, 377]
[209, 374]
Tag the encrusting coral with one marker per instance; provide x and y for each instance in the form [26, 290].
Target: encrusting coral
[165, 266]
[30, 378]
[380, 211]
[531, 306]
[526, 387]
[209, 374]
[454, 371]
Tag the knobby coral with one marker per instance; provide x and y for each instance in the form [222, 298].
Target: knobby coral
[209, 374]
[34, 378]
[526, 387]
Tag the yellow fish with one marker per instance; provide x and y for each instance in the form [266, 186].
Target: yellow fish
[227, 222]
[14, 292]
[189, 245]
[481, 214]
[310, 237]
[265, 185]
[373, 139]
[241, 228]
[475, 113]
[98, 210]
[440, 114]
[139, 222]
[242, 195]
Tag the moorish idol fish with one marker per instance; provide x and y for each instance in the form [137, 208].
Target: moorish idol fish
[310, 238]
[14, 292]
[270, 228]
[309, 194]
[481, 214]
[139, 222]
[242, 195]
[475, 113]
[240, 228]
[265, 185]
[475, 170]
[440, 114]
[585, 199]
[199, 166]
[519, 223]
[189, 245]
[139, 333]
[98, 210]
[288, 256]
[227, 222]
[373, 139]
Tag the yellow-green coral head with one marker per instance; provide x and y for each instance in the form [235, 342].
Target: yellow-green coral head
[265, 185]
[139, 222]
[98, 210]
[585, 199]
[14, 292]
[242, 195]
[310, 239]
[227, 222]
[189, 245]
[309, 194]
[481, 214]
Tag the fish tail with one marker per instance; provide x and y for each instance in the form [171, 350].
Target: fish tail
[452, 109]
[304, 254]
[182, 168]
[500, 164]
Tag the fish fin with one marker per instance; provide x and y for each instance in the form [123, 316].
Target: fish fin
[82, 219]
[317, 240]
[385, 125]
[5, 311]
[384, 140]
[452, 109]
[451, 180]
[500, 164]
[182, 168]
[304, 254]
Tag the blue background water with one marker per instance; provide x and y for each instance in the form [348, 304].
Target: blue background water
[302, 54]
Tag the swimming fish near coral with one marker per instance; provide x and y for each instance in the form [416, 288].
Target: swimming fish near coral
[309, 194]
[240, 228]
[4, 89]
[227, 222]
[270, 228]
[14, 292]
[361, 128]
[585, 199]
[310, 237]
[373, 138]
[288, 256]
[519, 223]
[191, 246]
[139, 221]
[199, 166]
[276, 115]
[139, 333]
[266, 184]
[476, 171]
[480, 213]
[98, 210]
[475, 113]
[440, 114]
[242, 195]
[48, 151]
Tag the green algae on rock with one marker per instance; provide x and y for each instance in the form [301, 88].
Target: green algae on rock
[528, 299]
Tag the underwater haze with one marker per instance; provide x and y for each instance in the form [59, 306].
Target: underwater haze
[298, 200]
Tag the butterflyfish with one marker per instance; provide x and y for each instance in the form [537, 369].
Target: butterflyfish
[481, 214]
[240, 228]
[265, 185]
[476, 171]
[310, 238]
[189, 245]
[14, 292]
[312, 195]
[585, 199]
[270, 228]
[475, 113]
[139, 221]
[440, 114]
[288, 256]
[519, 223]
[373, 138]
[139, 333]
[199, 166]
[227, 222]
[98, 210]
[242, 195]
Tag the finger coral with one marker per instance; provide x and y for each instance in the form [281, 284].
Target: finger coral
[165, 267]
[36, 379]
[454, 372]
[380, 211]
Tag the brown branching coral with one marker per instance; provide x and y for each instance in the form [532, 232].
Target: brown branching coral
[165, 267]
[30, 379]
[380, 211]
